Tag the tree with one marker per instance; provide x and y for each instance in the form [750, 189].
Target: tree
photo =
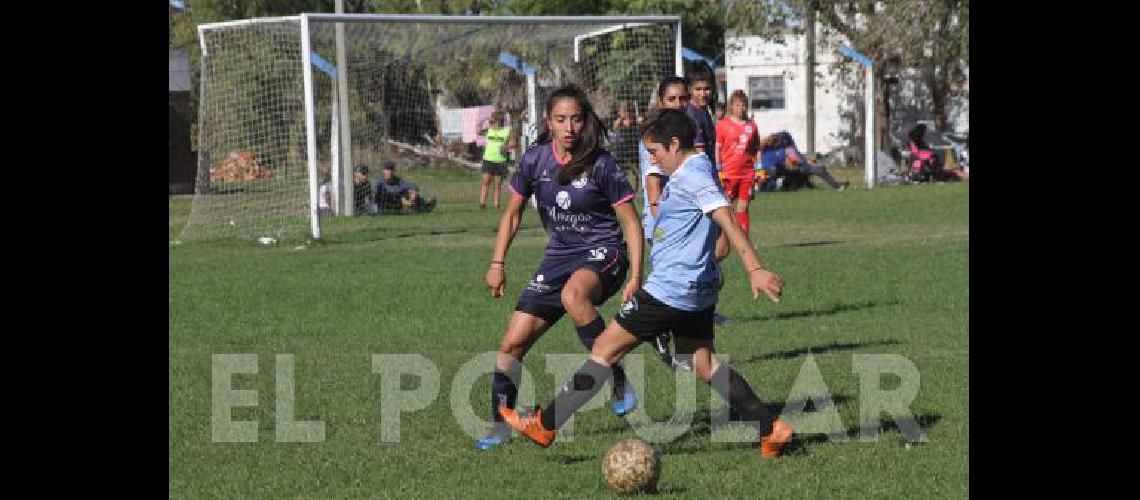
[929, 35]
[702, 21]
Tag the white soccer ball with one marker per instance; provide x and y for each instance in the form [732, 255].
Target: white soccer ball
[631, 466]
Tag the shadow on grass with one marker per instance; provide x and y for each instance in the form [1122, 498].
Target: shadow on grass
[373, 234]
[703, 418]
[570, 459]
[671, 490]
[819, 349]
[697, 438]
[810, 244]
[813, 313]
[912, 430]
[705, 421]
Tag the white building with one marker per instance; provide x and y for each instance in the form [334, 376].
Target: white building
[773, 74]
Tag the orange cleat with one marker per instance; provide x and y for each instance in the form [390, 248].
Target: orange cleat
[771, 444]
[529, 426]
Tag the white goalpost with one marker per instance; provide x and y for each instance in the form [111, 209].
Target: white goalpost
[293, 110]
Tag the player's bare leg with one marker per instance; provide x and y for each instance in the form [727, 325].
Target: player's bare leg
[483, 190]
[497, 180]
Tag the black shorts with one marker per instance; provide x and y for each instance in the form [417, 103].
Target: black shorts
[545, 285]
[499, 169]
[646, 317]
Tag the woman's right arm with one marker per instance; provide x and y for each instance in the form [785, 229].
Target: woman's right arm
[653, 192]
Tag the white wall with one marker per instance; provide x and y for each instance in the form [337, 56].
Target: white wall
[748, 56]
[839, 94]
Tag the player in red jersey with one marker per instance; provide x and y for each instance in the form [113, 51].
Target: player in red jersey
[737, 141]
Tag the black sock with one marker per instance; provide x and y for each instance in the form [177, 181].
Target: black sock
[588, 334]
[585, 383]
[504, 392]
[734, 389]
[619, 381]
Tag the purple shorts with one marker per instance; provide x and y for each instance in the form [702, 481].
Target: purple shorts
[545, 286]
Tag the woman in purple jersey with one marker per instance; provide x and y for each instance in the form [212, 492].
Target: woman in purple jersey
[583, 201]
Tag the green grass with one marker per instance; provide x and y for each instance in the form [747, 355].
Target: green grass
[866, 272]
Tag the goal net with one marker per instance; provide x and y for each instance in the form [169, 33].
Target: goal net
[290, 109]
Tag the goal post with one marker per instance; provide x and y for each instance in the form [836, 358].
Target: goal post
[410, 89]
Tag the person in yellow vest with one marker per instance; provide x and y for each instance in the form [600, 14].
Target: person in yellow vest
[498, 136]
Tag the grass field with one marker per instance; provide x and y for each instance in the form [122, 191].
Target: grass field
[866, 272]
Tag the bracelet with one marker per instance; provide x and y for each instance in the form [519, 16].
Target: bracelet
[498, 262]
[757, 268]
[653, 204]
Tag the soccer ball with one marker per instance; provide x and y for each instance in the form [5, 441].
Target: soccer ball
[631, 466]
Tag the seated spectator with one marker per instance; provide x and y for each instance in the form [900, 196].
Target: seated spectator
[785, 165]
[925, 165]
[362, 192]
[394, 194]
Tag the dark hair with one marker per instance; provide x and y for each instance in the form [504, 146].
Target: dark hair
[389, 165]
[700, 71]
[363, 169]
[786, 139]
[918, 135]
[738, 94]
[670, 123]
[780, 140]
[590, 140]
[671, 80]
